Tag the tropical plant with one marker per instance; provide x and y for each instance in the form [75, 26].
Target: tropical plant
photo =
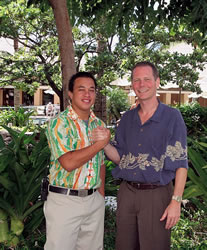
[17, 118]
[196, 186]
[22, 165]
[117, 101]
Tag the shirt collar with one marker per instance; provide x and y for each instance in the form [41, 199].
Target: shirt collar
[157, 116]
[74, 116]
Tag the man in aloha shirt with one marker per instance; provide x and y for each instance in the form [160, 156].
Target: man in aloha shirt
[150, 150]
[74, 209]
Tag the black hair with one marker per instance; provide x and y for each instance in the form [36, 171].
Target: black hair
[78, 75]
[146, 63]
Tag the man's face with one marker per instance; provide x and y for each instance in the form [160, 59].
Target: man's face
[83, 95]
[144, 83]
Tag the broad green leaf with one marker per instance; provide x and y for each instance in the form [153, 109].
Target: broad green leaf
[2, 144]
[6, 183]
[7, 207]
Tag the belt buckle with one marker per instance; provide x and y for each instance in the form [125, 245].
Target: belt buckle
[138, 185]
[82, 192]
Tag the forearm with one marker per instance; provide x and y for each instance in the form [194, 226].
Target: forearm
[102, 177]
[112, 153]
[180, 180]
[172, 212]
[75, 159]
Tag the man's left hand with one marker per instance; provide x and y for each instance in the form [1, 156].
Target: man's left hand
[171, 214]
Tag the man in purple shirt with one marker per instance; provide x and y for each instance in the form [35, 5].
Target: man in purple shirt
[150, 151]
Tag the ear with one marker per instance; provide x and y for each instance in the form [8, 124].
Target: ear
[158, 82]
[70, 94]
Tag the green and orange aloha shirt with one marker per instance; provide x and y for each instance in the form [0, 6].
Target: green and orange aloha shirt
[67, 132]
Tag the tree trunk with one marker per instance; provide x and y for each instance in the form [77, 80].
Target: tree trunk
[100, 103]
[65, 39]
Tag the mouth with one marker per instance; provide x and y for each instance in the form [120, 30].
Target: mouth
[142, 90]
[86, 101]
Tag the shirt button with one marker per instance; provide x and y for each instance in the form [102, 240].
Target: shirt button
[139, 145]
[141, 130]
[135, 173]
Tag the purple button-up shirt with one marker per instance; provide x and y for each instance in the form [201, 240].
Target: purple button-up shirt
[151, 153]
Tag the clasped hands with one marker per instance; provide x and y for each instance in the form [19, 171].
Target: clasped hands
[101, 134]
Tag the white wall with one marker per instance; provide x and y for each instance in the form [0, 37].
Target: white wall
[6, 45]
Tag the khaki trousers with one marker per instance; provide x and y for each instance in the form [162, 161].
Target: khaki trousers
[138, 218]
[74, 223]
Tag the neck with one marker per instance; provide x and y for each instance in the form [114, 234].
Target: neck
[149, 107]
[84, 115]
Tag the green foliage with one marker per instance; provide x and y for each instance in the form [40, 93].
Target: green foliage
[190, 231]
[182, 69]
[32, 241]
[22, 165]
[36, 61]
[117, 101]
[196, 186]
[17, 118]
[195, 118]
[111, 186]
[109, 228]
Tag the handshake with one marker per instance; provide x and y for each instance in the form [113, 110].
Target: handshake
[100, 135]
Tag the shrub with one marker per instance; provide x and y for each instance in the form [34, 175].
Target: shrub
[191, 231]
[195, 117]
[18, 118]
[117, 101]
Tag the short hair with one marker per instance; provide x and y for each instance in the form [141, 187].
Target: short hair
[146, 63]
[78, 75]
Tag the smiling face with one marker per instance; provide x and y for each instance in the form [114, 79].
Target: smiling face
[83, 96]
[144, 83]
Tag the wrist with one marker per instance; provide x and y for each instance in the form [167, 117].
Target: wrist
[106, 146]
[177, 198]
[99, 145]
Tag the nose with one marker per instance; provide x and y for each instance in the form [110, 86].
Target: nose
[87, 92]
[141, 83]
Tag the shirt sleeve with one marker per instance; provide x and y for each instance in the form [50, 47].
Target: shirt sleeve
[58, 138]
[176, 152]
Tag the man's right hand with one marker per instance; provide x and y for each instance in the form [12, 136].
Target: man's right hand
[101, 134]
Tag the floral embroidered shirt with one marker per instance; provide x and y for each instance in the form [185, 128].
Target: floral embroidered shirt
[67, 132]
[151, 152]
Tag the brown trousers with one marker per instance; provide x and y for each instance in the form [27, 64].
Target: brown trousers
[138, 218]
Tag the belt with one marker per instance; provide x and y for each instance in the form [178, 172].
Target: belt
[74, 192]
[143, 185]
